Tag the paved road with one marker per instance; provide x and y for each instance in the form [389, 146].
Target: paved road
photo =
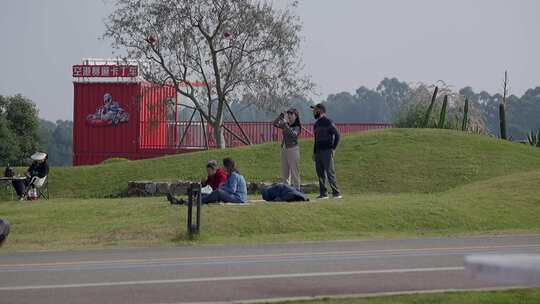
[251, 272]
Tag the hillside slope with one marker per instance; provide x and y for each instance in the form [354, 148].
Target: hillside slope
[506, 204]
[385, 161]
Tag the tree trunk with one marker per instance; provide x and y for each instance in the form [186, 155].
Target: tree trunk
[218, 135]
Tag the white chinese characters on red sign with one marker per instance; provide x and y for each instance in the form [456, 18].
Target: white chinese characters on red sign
[105, 71]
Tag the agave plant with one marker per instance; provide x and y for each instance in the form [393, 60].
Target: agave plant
[534, 138]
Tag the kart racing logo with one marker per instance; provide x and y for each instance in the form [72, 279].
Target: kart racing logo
[109, 114]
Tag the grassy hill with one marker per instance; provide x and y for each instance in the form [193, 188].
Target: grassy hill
[399, 182]
[386, 161]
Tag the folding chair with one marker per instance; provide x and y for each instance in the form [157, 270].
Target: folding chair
[41, 186]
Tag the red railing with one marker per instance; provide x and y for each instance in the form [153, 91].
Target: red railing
[258, 132]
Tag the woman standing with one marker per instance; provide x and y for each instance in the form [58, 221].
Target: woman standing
[289, 122]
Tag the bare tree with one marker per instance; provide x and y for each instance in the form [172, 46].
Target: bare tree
[233, 48]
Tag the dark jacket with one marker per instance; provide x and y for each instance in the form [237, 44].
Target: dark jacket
[283, 193]
[290, 133]
[217, 180]
[326, 135]
[40, 169]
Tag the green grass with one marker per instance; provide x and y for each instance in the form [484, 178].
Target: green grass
[498, 205]
[386, 161]
[399, 182]
[523, 296]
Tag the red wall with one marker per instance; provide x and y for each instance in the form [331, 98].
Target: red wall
[156, 129]
[95, 140]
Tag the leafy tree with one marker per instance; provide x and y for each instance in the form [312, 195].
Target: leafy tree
[56, 139]
[394, 93]
[19, 115]
[46, 128]
[61, 150]
[235, 48]
[9, 147]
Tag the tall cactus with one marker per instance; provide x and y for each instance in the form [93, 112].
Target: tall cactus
[502, 107]
[464, 124]
[502, 120]
[532, 137]
[430, 108]
[442, 117]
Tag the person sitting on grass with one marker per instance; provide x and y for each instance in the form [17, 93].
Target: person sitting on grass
[233, 191]
[216, 177]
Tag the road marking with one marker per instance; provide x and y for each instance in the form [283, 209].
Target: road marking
[300, 254]
[235, 278]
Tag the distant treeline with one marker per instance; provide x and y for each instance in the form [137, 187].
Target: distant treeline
[391, 96]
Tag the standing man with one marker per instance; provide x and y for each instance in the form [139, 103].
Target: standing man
[326, 141]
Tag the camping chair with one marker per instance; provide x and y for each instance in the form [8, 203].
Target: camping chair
[40, 186]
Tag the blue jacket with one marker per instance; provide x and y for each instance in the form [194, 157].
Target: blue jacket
[236, 186]
[283, 193]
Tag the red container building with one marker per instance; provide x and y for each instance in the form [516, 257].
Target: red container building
[120, 115]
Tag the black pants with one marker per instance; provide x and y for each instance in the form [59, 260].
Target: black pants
[20, 186]
[324, 165]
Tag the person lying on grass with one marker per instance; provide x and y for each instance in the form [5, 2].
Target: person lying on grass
[233, 191]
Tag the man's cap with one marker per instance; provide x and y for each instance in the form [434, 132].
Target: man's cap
[319, 106]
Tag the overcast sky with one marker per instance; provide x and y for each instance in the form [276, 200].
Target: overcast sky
[349, 43]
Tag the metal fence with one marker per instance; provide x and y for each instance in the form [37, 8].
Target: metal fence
[198, 135]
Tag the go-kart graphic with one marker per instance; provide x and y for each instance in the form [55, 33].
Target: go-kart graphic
[109, 114]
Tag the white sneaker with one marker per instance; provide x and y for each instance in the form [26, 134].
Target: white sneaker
[337, 196]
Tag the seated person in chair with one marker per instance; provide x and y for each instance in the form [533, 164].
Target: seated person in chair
[234, 190]
[35, 176]
[216, 177]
